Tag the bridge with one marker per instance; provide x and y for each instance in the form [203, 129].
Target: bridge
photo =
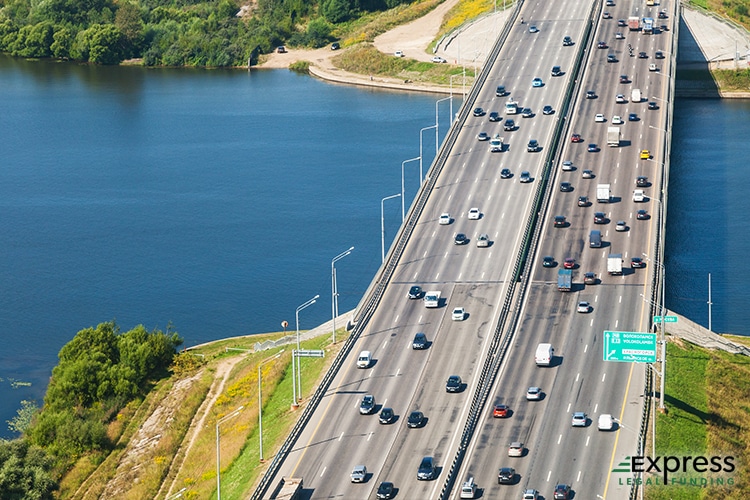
[511, 299]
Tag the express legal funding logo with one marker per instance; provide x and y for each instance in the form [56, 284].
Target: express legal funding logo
[671, 470]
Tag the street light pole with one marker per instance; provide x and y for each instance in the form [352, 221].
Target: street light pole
[437, 121]
[298, 396]
[218, 456]
[403, 207]
[335, 290]
[260, 399]
[421, 176]
[382, 226]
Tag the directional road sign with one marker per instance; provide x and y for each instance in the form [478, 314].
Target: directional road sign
[630, 347]
[304, 353]
[667, 319]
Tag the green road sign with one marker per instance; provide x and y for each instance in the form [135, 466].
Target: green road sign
[667, 319]
[630, 347]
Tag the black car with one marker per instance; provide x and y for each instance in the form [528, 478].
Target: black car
[385, 491]
[621, 23]
[601, 45]
[592, 148]
[532, 146]
[659, 54]
[652, 105]
[590, 94]
[642, 55]
[641, 215]
[415, 292]
[495, 116]
[600, 218]
[335, 46]
[548, 261]
[460, 239]
[505, 173]
[386, 416]
[632, 117]
[567, 41]
[562, 492]
[589, 278]
[559, 221]
[624, 79]
[509, 125]
[367, 406]
[556, 71]
[453, 384]
[426, 469]
[637, 263]
[500, 91]
[506, 475]
[415, 419]
[566, 187]
[547, 110]
[642, 181]
[662, 15]
[583, 201]
[478, 112]
[420, 341]
[527, 113]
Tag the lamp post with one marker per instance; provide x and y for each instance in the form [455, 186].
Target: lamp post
[260, 399]
[421, 176]
[218, 456]
[403, 207]
[437, 121]
[335, 291]
[382, 226]
[298, 394]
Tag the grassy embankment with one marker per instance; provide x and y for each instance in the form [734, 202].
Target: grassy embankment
[708, 403]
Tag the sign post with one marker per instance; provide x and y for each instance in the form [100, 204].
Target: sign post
[630, 347]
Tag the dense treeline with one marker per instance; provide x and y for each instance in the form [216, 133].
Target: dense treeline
[100, 371]
[172, 33]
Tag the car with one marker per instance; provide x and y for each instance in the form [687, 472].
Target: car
[592, 148]
[619, 36]
[569, 263]
[601, 45]
[652, 67]
[566, 187]
[664, 27]
[474, 214]
[652, 105]
[468, 489]
[415, 419]
[620, 99]
[419, 342]
[567, 41]
[639, 195]
[386, 416]
[611, 58]
[576, 138]
[427, 469]
[589, 278]
[367, 406]
[500, 411]
[399, 53]
[556, 71]
[506, 475]
[583, 307]
[658, 54]
[616, 120]
[525, 177]
[587, 174]
[642, 181]
[621, 23]
[495, 116]
[583, 201]
[281, 49]
[600, 218]
[438, 60]
[534, 393]
[385, 491]
[415, 292]
[527, 113]
[537, 82]
[645, 154]
[483, 240]
[478, 111]
[483, 136]
[642, 55]
[548, 261]
[547, 110]
[632, 117]
[500, 91]
[606, 422]
[662, 14]
[567, 166]
[624, 79]
[590, 94]
[458, 314]
[445, 218]
[621, 226]
[515, 449]
[562, 492]
[532, 146]
[559, 221]
[509, 125]
[641, 215]
[599, 118]
[460, 239]
[335, 46]
[530, 494]
[637, 263]
[453, 384]
[359, 474]
[506, 173]
[606, 15]
[533, 29]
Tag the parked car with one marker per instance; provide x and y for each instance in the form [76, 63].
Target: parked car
[438, 59]
[335, 46]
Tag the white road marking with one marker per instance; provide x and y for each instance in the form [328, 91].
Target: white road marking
[341, 436]
[395, 320]
[559, 439]
[568, 410]
[549, 474]
[592, 322]
[323, 471]
[604, 375]
[398, 372]
[385, 344]
[437, 276]
[578, 477]
[596, 299]
[587, 443]
[617, 322]
[620, 301]
[596, 407]
[370, 436]
[585, 348]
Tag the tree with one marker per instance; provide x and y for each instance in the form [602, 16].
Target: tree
[23, 417]
[63, 41]
[128, 21]
[337, 11]
[318, 31]
[25, 472]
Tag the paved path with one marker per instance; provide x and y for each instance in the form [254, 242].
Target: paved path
[696, 334]
[705, 38]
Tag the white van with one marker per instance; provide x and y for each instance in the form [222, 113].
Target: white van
[468, 489]
[364, 359]
[544, 354]
[635, 95]
[606, 422]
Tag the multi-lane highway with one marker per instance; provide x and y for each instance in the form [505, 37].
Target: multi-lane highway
[338, 437]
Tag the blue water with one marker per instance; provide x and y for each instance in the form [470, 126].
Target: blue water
[214, 201]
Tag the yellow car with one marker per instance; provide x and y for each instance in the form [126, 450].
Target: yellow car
[645, 155]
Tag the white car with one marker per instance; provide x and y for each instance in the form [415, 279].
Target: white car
[533, 29]
[483, 240]
[621, 226]
[567, 166]
[583, 307]
[652, 67]
[606, 422]
[458, 314]
[599, 118]
[587, 174]
[474, 214]
[616, 120]
[639, 195]
[579, 419]
[438, 59]
[534, 394]
[359, 474]
[399, 53]
[445, 218]
[515, 449]
[620, 99]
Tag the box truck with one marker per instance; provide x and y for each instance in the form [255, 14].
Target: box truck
[613, 136]
[564, 280]
[603, 193]
[614, 264]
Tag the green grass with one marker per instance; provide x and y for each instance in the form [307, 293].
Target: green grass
[732, 80]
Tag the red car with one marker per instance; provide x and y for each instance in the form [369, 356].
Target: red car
[576, 138]
[500, 411]
[569, 263]
[601, 45]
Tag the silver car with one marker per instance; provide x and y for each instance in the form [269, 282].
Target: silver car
[579, 419]
[483, 240]
[359, 474]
